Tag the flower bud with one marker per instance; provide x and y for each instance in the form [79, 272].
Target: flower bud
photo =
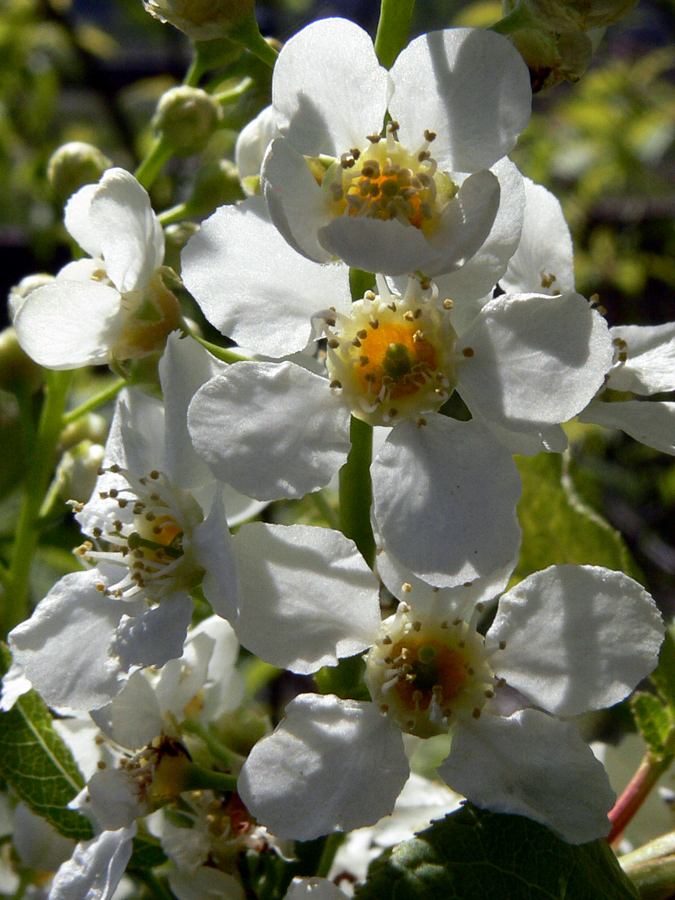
[216, 184]
[78, 470]
[74, 165]
[18, 372]
[553, 58]
[186, 117]
[578, 15]
[202, 20]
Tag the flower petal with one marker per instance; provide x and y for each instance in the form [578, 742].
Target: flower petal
[535, 766]
[544, 260]
[307, 596]
[651, 423]
[76, 220]
[129, 233]
[649, 366]
[65, 647]
[295, 201]
[378, 245]
[330, 764]
[213, 550]
[270, 430]
[329, 91]
[96, 867]
[70, 324]
[531, 361]
[469, 86]
[266, 307]
[577, 638]
[445, 495]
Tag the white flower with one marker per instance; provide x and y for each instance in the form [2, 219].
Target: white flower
[422, 197]
[157, 527]
[113, 306]
[249, 150]
[564, 641]
[524, 364]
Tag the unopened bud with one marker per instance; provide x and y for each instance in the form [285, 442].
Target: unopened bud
[74, 165]
[78, 470]
[202, 20]
[186, 117]
[216, 184]
[18, 372]
[578, 15]
[553, 58]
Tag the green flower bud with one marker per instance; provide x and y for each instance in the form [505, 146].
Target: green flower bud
[186, 117]
[578, 15]
[78, 470]
[216, 184]
[18, 372]
[202, 20]
[552, 58]
[74, 165]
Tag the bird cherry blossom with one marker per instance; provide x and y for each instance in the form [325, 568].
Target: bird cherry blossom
[416, 193]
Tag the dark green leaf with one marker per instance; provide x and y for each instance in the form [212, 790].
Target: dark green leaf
[653, 719]
[478, 855]
[147, 853]
[38, 765]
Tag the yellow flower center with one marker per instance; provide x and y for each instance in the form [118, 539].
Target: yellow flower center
[386, 181]
[427, 674]
[392, 356]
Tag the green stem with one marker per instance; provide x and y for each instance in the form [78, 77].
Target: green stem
[222, 353]
[40, 466]
[155, 159]
[393, 30]
[197, 778]
[248, 35]
[95, 401]
[330, 848]
[356, 490]
[654, 879]
[222, 753]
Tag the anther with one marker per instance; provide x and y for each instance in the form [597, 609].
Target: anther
[468, 352]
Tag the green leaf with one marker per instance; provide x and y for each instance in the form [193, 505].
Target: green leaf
[664, 674]
[557, 527]
[476, 854]
[147, 853]
[653, 719]
[37, 763]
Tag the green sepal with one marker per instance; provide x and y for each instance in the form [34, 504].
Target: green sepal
[655, 721]
[477, 854]
[38, 765]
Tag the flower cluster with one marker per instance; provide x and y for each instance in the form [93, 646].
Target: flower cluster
[468, 344]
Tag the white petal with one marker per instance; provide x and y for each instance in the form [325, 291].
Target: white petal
[295, 201]
[38, 844]
[477, 277]
[469, 86]
[184, 367]
[544, 261]
[213, 550]
[650, 364]
[577, 637]
[307, 596]
[444, 499]
[313, 889]
[404, 585]
[330, 764]
[70, 324]
[552, 439]
[135, 718]
[266, 307]
[329, 91]
[378, 245]
[532, 361]
[534, 766]
[96, 867]
[155, 636]
[465, 222]
[130, 236]
[114, 801]
[253, 141]
[65, 647]
[651, 423]
[205, 883]
[77, 222]
[270, 430]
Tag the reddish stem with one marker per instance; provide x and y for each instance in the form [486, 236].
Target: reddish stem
[634, 795]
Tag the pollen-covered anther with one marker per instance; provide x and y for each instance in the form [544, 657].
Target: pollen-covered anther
[147, 536]
[392, 348]
[431, 673]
